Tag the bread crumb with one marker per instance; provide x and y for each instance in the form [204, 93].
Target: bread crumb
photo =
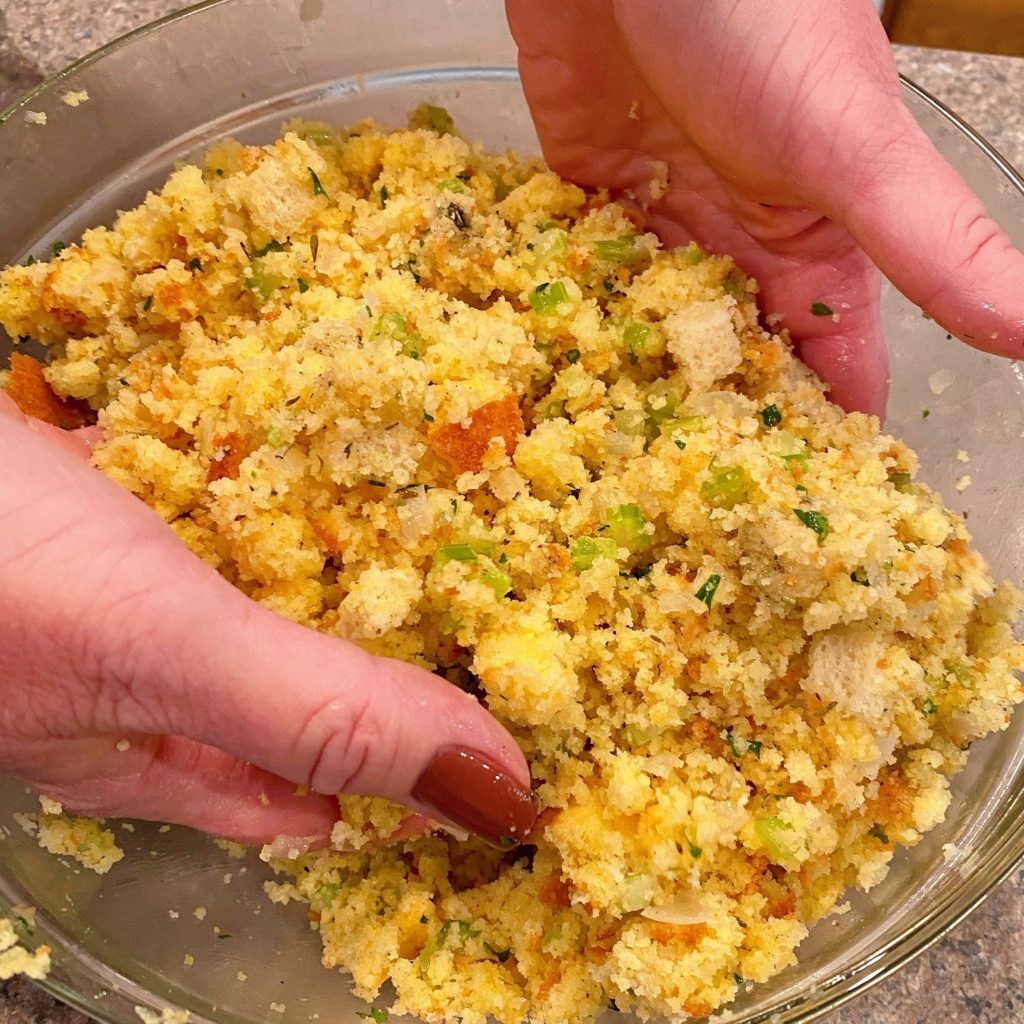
[277, 1007]
[50, 806]
[242, 976]
[35, 117]
[963, 483]
[189, 960]
[123, 745]
[940, 380]
[173, 915]
[962, 456]
[658, 185]
[199, 913]
[264, 799]
[167, 1015]
[75, 98]
[634, 111]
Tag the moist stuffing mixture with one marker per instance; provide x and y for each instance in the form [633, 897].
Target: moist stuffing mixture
[444, 404]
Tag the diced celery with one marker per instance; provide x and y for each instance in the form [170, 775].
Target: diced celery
[391, 325]
[635, 893]
[584, 551]
[500, 582]
[624, 249]
[551, 243]
[263, 281]
[325, 895]
[454, 553]
[317, 134]
[277, 437]
[483, 546]
[636, 336]
[639, 735]
[693, 254]
[772, 831]
[684, 424]
[432, 117]
[452, 185]
[727, 487]
[628, 528]
[630, 421]
[662, 401]
[900, 479]
[547, 297]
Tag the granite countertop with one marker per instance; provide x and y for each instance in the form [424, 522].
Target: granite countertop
[977, 973]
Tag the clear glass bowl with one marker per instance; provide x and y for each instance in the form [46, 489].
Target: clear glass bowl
[243, 67]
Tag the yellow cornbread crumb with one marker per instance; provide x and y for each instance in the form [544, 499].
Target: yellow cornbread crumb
[82, 839]
[442, 403]
[16, 959]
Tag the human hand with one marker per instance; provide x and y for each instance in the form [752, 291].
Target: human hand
[788, 146]
[139, 683]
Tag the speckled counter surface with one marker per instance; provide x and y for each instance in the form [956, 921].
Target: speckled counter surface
[976, 974]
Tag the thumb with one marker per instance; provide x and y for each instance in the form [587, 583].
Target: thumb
[321, 712]
[929, 233]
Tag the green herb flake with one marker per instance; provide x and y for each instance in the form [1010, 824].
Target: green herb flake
[813, 521]
[771, 416]
[681, 445]
[573, 355]
[385, 195]
[31, 261]
[195, 264]
[506, 841]
[427, 416]
[547, 297]
[740, 746]
[318, 189]
[738, 978]
[706, 593]
[802, 489]
[148, 304]
[123, 381]
[695, 850]
[929, 706]
[424, 919]
[224, 935]
[272, 246]
[58, 247]
[925, 413]
[860, 577]
[452, 185]
[378, 1016]
[821, 309]
[879, 833]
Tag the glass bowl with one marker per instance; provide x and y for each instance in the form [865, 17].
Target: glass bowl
[243, 67]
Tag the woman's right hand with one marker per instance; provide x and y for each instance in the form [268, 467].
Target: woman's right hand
[139, 683]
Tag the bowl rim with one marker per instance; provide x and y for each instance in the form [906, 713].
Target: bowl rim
[837, 991]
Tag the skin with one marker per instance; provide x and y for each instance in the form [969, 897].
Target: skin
[786, 145]
[789, 147]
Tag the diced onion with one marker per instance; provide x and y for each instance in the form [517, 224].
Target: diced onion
[673, 601]
[718, 402]
[619, 444]
[686, 908]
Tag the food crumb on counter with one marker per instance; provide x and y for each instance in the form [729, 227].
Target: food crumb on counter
[75, 97]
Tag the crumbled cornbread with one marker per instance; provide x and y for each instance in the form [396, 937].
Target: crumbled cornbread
[446, 405]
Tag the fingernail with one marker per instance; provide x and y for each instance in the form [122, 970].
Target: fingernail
[467, 789]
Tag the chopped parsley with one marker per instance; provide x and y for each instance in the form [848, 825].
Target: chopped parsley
[385, 195]
[879, 833]
[303, 286]
[148, 304]
[771, 416]
[929, 707]
[740, 746]
[31, 261]
[695, 850]
[738, 978]
[681, 445]
[59, 247]
[374, 1014]
[318, 189]
[507, 841]
[195, 264]
[925, 413]
[501, 955]
[813, 521]
[821, 309]
[272, 246]
[573, 355]
[706, 593]
[427, 416]
[424, 919]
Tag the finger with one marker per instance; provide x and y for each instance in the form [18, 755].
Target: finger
[322, 712]
[159, 643]
[929, 233]
[78, 442]
[184, 783]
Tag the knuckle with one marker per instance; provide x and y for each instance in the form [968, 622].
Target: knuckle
[343, 742]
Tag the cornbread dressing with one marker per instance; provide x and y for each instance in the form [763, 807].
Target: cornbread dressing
[448, 406]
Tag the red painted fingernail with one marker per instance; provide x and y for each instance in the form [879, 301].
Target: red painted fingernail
[467, 789]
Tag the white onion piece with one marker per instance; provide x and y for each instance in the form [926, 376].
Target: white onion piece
[713, 403]
[618, 443]
[673, 601]
[415, 516]
[686, 908]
